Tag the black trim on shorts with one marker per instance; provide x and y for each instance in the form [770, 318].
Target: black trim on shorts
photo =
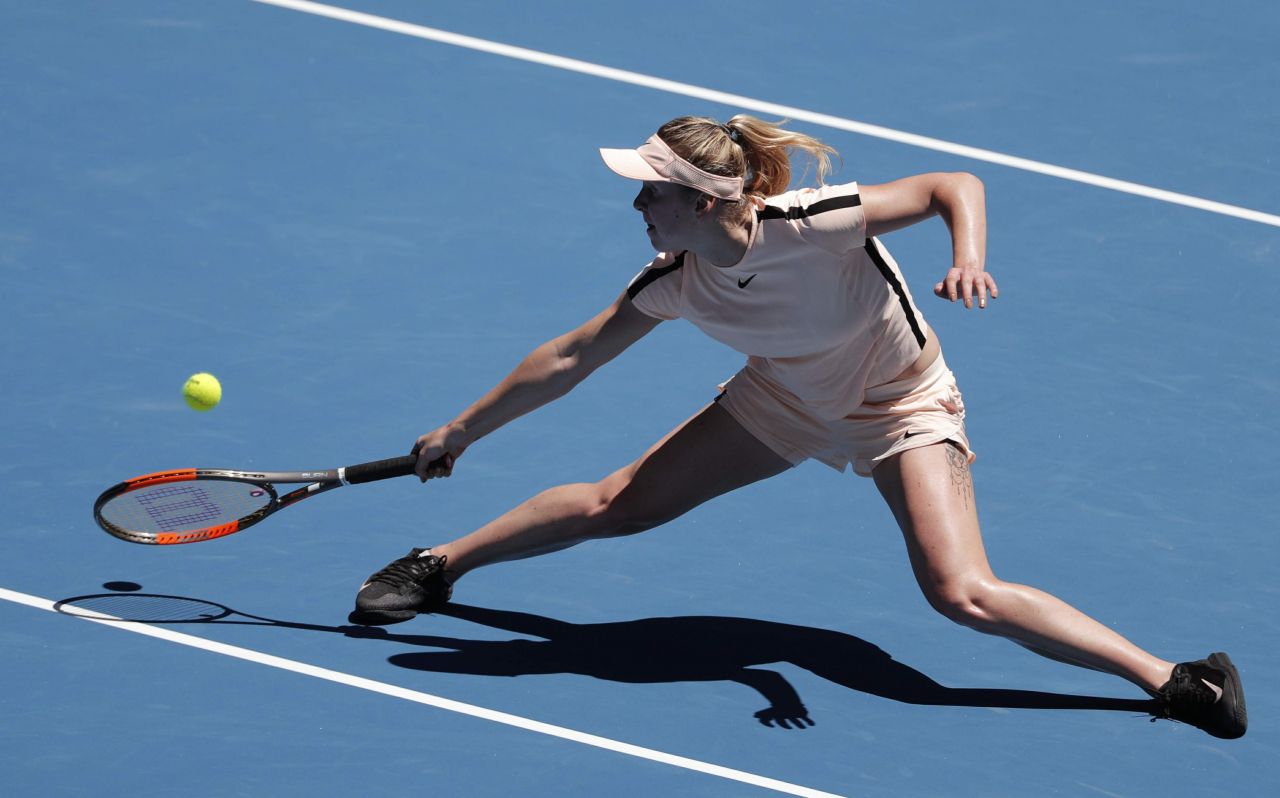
[653, 274]
[791, 214]
[873, 249]
[954, 443]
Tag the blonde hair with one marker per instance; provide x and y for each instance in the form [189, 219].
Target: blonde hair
[757, 151]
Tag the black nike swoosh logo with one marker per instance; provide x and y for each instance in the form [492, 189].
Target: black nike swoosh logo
[743, 283]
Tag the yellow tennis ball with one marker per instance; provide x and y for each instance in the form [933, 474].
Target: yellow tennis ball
[202, 392]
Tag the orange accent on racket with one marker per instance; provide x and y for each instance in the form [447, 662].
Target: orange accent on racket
[167, 538]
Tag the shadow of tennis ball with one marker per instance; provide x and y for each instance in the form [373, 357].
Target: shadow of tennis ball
[122, 587]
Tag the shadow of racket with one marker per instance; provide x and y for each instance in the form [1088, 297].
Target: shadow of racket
[156, 608]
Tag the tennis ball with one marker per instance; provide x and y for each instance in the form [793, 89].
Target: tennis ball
[202, 391]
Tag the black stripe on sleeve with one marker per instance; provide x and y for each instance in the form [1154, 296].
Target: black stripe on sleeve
[832, 204]
[873, 249]
[653, 274]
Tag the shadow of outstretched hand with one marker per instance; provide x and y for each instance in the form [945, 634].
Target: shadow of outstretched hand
[796, 717]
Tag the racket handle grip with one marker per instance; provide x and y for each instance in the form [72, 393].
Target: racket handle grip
[380, 469]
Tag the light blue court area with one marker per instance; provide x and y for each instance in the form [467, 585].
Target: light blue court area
[360, 228]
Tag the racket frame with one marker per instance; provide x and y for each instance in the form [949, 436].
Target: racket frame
[317, 482]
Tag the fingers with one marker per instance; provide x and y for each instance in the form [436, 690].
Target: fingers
[967, 285]
[440, 467]
[433, 468]
[949, 288]
[437, 451]
[433, 461]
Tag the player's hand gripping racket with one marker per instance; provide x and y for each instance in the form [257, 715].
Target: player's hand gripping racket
[194, 504]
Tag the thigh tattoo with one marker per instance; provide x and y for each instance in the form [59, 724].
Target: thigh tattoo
[961, 478]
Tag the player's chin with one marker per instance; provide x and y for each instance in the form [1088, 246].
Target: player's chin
[658, 242]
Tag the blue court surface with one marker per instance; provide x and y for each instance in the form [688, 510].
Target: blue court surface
[361, 229]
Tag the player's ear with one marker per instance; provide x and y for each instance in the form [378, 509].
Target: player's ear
[704, 205]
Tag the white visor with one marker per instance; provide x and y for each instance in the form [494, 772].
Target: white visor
[655, 161]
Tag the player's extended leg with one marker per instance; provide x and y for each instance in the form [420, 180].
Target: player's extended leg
[930, 491]
[708, 455]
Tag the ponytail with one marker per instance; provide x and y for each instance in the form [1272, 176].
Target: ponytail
[746, 147]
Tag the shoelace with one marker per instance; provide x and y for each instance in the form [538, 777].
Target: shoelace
[1192, 685]
[1185, 688]
[406, 570]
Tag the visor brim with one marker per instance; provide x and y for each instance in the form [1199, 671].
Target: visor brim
[628, 163]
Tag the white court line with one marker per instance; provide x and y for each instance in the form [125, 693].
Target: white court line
[750, 104]
[430, 700]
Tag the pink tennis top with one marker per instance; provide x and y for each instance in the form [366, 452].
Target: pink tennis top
[820, 309]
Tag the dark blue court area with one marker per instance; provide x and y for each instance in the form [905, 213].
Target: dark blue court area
[360, 227]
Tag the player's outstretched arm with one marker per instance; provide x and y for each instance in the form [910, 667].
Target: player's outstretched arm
[547, 373]
[960, 199]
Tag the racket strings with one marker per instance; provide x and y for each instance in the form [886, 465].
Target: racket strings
[185, 506]
[179, 505]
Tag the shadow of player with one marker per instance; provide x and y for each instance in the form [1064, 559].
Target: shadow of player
[648, 650]
[708, 648]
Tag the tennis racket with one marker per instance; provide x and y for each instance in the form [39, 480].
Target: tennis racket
[191, 505]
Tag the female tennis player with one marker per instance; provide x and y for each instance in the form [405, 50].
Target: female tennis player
[841, 367]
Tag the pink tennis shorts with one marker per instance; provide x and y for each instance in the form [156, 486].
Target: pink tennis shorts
[894, 417]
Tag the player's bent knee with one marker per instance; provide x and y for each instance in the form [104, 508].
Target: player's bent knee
[968, 602]
[620, 518]
[619, 511]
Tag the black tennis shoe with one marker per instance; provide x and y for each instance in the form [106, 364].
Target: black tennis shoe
[412, 584]
[1207, 694]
